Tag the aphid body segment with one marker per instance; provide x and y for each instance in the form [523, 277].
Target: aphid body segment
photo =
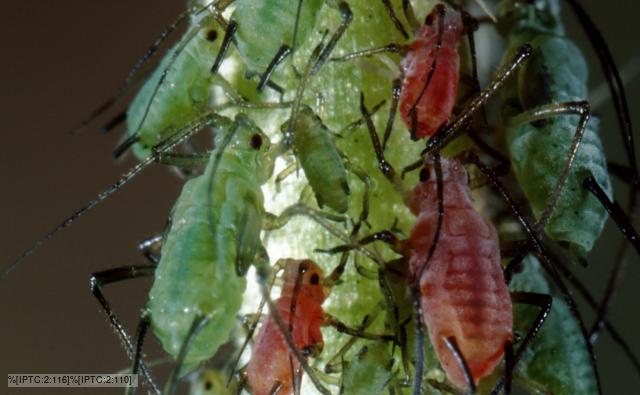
[213, 238]
[314, 146]
[271, 365]
[431, 72]
[264, 26]
[556, 73]
[557, 361]
[179, 88]
[463, 292]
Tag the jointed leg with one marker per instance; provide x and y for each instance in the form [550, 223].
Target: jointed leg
[141, 332]
[346, 17]
[198, 323]
[462, 363]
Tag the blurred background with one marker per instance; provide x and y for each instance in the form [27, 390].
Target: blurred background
[60, 61]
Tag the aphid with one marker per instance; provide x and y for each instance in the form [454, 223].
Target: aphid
[558, 361]
[272, 369]
[213, 238]
[539, 140]
[269, 31]
[180, 87]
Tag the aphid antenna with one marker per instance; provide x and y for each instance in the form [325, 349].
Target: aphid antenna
[616, 86]
[133, 76]
[541, 253]
[156, 156]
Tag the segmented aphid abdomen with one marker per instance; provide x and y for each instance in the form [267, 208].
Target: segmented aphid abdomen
[159, 110]
[209, 238]
[463, 292]
[557, 73]
[271, 361]
[431, 72]
[264, 26]
[314, 146]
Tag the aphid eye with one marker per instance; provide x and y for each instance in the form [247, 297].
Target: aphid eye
[256, 141]
[315, 279]
[425, 173]
[212, 35]
[208, 385]
[428, 21]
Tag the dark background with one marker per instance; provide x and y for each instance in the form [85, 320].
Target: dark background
[60, 59]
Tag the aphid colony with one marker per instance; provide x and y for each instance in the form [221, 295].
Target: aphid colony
[405, 251]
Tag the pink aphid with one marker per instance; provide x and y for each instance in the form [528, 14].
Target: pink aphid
[431, 70]
[463, 291]
[272, 365]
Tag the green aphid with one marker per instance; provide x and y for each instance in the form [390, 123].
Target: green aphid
[265, 26]
[555, 73]
[315, 149]
[557, 361]
[179, 88]
[369, 372]
[213, 238]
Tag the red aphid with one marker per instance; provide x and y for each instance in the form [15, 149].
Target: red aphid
[299, 306]
[463, 291]
[431, 72]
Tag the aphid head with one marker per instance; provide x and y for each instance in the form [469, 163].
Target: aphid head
[441, 19]
[252, 147]
[517, 16]
[307, 276]
[452, 172]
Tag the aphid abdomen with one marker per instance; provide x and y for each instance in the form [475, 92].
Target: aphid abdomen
[159, 110]
[264, 26]
[208, 241]
[431, 73]
[557, 73]
[322, 164]
[463, 292]
[271, 361]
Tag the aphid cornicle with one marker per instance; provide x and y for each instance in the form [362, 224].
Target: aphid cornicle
[272, 368]
[556, 73]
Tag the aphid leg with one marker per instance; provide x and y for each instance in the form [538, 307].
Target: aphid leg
[395, 97]
[384, 166]
[334, 363]
[113, 122]
[394, 48]
[394, 19]
[581, 109]
[286, 172]
[355, 332]
[541, 252]
[542, 301]
[100, 279]
[591, 301]
[462, 363]
[283, 52]
[141, 332]
[616, 86]
[198, 323]
[346, 17]
[446, 133]
[407, 8]
[615, 211]
[358, 122]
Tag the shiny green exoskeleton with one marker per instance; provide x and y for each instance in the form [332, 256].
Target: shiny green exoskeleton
[179, 88]
[557, 361]
[315, 149]
[264, 26]
[213, 238]
[555, 73]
